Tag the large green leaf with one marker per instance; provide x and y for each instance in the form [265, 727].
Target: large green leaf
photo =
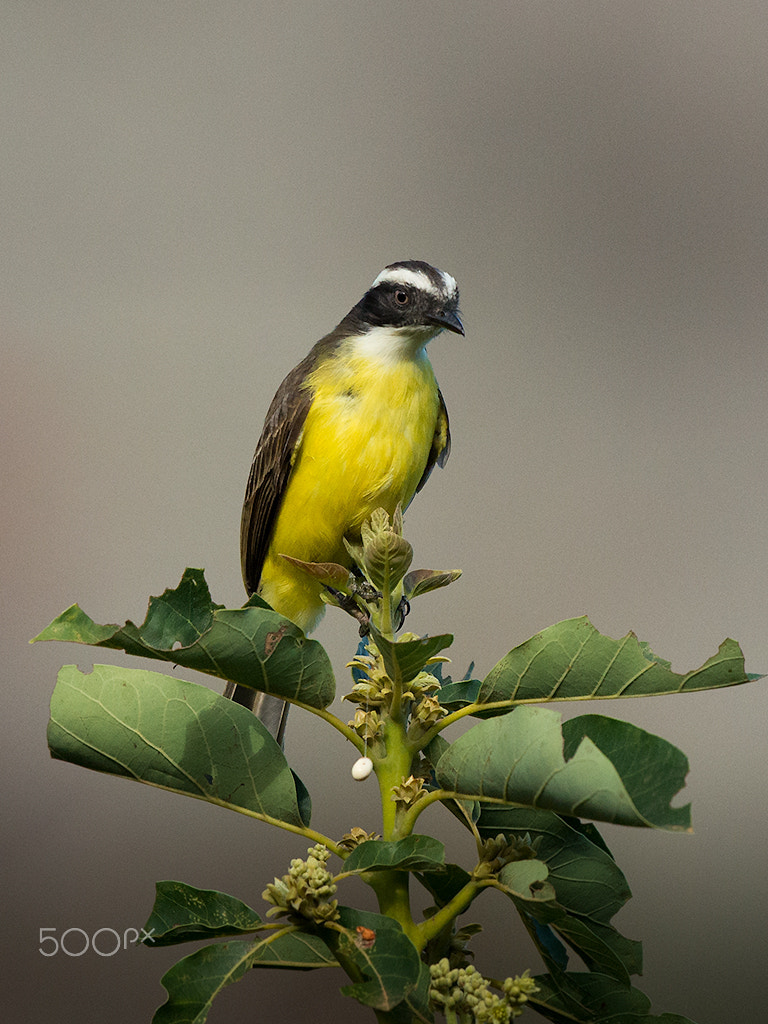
[602, 948]
[194, 982]
[174, 734]
[413, 853]
[183, 913]
[595, 999]
[519, 758]
[586, 878]
[253, 645]
[585, 889]
[572, 660]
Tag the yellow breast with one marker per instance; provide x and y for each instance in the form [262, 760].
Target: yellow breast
[365, 445]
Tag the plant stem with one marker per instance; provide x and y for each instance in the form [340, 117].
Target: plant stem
[391, 770]
[391, 888]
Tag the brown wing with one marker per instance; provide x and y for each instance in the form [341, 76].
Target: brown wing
[441, 443]
[271, 469]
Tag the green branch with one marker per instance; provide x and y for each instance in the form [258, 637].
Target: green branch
[346, 731]
[446, 914]
[286, 826]
[430, 797]
[456, 716]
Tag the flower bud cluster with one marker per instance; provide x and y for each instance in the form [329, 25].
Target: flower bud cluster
[304, 893]
[408, 792]
[466, 994]
[373, 687]
[355, 837]
[518, 989]
[367, 724]
[495, 853]
[373, 693]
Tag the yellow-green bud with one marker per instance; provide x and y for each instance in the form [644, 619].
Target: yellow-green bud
[408, 792]
[387, 556]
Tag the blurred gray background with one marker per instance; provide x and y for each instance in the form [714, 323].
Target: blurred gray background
[192, 193]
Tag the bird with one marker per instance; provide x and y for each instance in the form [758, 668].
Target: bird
[357, 425]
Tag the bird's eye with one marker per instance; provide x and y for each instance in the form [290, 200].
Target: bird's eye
[402, 298]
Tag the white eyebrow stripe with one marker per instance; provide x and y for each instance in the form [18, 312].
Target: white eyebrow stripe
[451, 286]
[404, 275]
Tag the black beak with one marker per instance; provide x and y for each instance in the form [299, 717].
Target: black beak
[447, 320]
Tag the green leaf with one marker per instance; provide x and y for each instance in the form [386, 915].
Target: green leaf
[194, 982]
[602, 948]
[586, 878]
[172, 734]
[303, 798]
[390, 967]
[527, 880]
[652, 769]
[330, 574]
[413, 853]
[435, 749]
[572, 660]
[446, 883]
[253, 645]
[552, 950]
[387, 555]
[293, 951]
[414, 1007]
[519, 759]
[589, 889]
[463, 810]
[455, 695]
[422, 581]
[183, 913]
[594, 999]
[403, 661]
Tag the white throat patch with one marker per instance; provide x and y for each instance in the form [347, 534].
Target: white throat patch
[389, 345]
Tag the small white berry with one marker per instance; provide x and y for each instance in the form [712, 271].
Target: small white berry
[362, 768]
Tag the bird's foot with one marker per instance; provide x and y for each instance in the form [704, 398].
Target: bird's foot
[368, 594]
[348, 603]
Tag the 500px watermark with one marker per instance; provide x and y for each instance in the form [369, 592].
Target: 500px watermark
[103, 942]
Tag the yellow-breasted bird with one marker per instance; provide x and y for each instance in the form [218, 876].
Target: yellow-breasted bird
[358, 425]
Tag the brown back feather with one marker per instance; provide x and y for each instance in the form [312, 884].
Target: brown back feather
[441, 443]
[274, 458]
